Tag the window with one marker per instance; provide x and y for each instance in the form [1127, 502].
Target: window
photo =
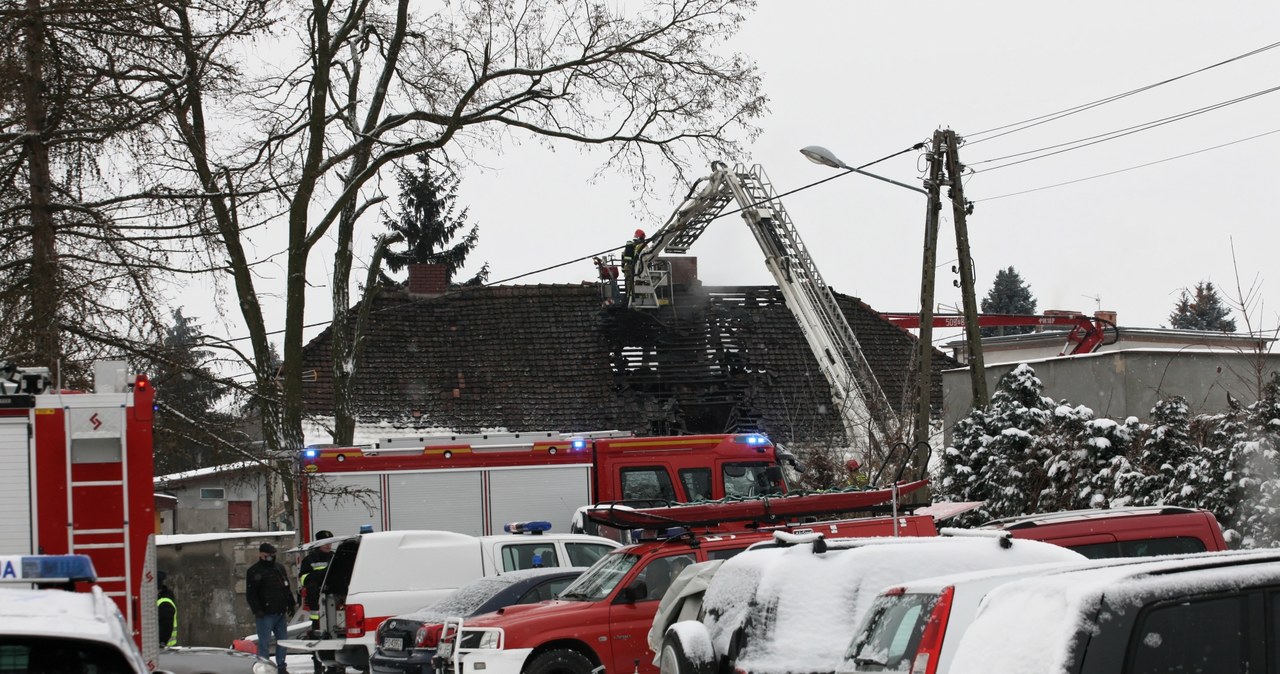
[213, 493]
[651, 483]
[696, 483]
[724, 553]
[545, 591]
[529, 556]
[659, 573]
[1207, 635]
[892, 634]
[1142, 548]
[585, 554]
[749, 479]
[54, 654]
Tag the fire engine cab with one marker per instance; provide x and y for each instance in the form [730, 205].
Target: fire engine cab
[472, 484]
[75, 479]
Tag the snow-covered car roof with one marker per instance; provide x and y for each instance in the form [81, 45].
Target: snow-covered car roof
[1047, 611]
[88, 616]
[800, 608]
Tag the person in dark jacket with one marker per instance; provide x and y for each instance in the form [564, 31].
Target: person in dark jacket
[166, 612]
[271, 600]
[311, 577]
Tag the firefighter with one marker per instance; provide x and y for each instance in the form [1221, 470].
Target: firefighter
[166, 612]
[311, 578]
[631, 255]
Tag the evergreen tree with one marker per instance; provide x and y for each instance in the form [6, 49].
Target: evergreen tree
[1009, 294]
[1257, 456]
[956, 478]
[1202, 311]
[189, 431]
[429, 221]
[1108, 445]
[1168, 460]
[1070, 462]
[1219, 484]
[1018, 417]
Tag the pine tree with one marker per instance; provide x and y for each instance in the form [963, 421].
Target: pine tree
[1167, 458]
[429, 221]
[1009, 294]
[1018, 416]
[188, 428]
[1202, 311]
[956, 478]
[1108, 444]
[1219, 484]
[1258, 459]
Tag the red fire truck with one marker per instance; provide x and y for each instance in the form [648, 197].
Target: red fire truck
[75, 478]
[473, 484]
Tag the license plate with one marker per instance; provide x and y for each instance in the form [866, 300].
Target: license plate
[393, 643]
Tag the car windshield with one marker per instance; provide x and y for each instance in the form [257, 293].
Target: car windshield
[891, 633]
[597, 582]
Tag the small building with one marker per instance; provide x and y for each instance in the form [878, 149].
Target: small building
[242, 496]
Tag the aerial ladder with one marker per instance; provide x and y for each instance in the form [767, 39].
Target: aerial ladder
[868, 418]
[1084, 334]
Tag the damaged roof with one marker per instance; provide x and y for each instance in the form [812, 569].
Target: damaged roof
[550, 357]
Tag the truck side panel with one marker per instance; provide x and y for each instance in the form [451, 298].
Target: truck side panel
[551, 494]
[344, 515]
[15, 486]
[448, 500]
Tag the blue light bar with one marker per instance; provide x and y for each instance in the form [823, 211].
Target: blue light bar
[754, 439]
[310, 453]
[366, 528]
[535, 527]
[578, 444]
[46, 568]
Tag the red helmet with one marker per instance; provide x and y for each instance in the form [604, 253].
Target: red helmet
[639, 233]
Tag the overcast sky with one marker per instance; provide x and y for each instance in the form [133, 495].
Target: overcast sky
[867, 79]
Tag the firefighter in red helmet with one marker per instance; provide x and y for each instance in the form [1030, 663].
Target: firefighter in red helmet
[630, 255]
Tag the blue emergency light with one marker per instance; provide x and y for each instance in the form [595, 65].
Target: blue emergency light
[366, 528]
[535, 527]
[46, 568]
[578, 444]
[310, 453]
[754, 439]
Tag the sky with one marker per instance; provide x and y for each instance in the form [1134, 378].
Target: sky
[867, 79]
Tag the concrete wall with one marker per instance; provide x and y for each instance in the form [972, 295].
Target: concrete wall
[1127, 383]
[207, 577]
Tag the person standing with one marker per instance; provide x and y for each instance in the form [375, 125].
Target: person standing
[271, 600]
[311, 577]
[166, 613]
[630, 256]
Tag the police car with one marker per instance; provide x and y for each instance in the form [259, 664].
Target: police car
[49, 630]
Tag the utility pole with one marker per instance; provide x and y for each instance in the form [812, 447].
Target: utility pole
[960, 209]
[945, 152]
[924, 353]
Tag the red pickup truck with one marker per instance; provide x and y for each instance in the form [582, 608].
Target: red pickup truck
[1121, 532]
[603, 618]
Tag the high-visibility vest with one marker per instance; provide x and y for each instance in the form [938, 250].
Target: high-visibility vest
[173, 636]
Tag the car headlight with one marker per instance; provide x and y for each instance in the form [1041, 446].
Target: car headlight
[490, 640]
[261, 667]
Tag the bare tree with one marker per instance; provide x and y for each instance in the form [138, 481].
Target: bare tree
[376, 83]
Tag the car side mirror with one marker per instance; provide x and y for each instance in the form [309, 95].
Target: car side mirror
[635, 592]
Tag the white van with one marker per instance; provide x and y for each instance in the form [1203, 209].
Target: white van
[374, 576]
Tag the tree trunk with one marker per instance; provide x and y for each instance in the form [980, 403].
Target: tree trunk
[45, 283]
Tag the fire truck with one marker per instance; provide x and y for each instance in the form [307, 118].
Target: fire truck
[75, 479]
[472, 484]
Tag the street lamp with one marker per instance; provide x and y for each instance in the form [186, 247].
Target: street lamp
[821, 155]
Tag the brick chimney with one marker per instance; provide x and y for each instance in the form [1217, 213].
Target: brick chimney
[427, 279]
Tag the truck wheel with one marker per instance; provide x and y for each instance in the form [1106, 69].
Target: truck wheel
[677, 646]
[560, 661]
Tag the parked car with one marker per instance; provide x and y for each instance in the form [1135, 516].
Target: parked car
[917, 626]
[794, 609]
[407, 643]
[1211, 612]
[1121, 532]
[374, 576]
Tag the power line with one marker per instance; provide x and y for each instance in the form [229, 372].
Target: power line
[1112, 135]
[1053, 116]
[1131, 168]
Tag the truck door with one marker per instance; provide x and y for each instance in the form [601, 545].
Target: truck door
[630, 617]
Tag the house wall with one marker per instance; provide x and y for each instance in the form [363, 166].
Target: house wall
[1128, 383]
[1037, 346]
[208, 581]
[194, 515]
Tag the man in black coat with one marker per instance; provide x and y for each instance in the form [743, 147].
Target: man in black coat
[271, 600]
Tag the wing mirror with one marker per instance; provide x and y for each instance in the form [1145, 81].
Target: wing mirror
[634, 592]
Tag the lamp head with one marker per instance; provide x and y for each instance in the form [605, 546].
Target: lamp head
[821, 155]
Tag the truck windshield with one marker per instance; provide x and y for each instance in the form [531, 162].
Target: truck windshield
[598, 581]
[749, 479]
